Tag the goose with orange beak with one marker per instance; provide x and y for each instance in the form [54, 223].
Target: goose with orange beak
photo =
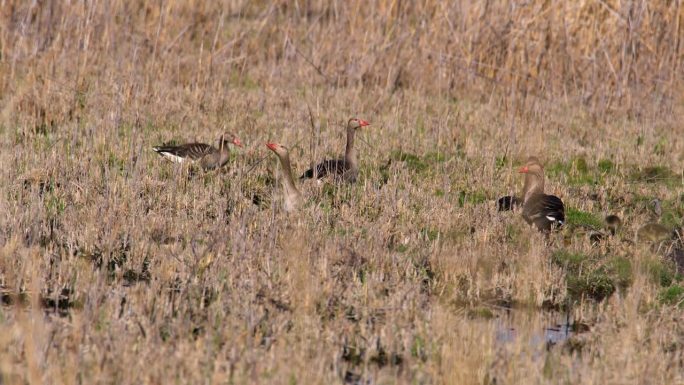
[292, 198]
[208, 156]
[347, 168]
[545, 211]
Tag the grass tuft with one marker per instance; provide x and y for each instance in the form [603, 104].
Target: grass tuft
[595, 277]
[673, 295]
[577, 217]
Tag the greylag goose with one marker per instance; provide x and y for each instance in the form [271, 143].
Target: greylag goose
[544, 211]
[654, 233]
[293, 197]
[509, 202]
[206, 155]
[346, 168]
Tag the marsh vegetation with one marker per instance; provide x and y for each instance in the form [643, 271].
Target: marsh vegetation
[118, 267]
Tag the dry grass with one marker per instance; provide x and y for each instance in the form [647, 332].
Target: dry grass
[117, 267]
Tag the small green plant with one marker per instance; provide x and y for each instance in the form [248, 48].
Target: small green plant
[582, 218]
[652, 174]
[431, 234]
[606, 165]
[481, 313]
[673, 295]
[661, 272]
[576, 171]
[412, 161]
[595, 277]
[473, 198]
[501, 162]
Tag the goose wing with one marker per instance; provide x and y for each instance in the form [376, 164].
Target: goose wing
[327, 167]
[190, 151]
[545, 211]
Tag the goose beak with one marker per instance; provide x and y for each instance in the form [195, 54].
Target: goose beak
[272, 146]
[237, 142]
[363, 123]
[523, 170]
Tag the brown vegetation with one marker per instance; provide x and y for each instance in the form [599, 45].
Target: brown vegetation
[117, 267]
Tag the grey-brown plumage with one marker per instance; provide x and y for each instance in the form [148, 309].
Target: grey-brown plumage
[347, 168]
[545, 211]
[292, 198]
[207, 156]
[654, 233]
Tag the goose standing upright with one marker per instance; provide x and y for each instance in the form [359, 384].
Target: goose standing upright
[347, 168]
[208, 156]
[293, 198]
[544, 211]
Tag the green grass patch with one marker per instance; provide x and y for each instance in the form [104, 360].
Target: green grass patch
[400, 248]
[412, 161]
[653, 174]
[480, 313]
[673, 295]
[501, 162]
[417, 163]
[660, 147]
[595, 277]
[435, 157]
[512, 232]
[576, 172]
[430, 234]
[582, 218]
[115, 163]
[471, 197]
[673, 212]
[606, 165]
[54, 205]
[662, 273]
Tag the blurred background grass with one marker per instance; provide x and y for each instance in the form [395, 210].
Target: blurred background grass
[117, 267]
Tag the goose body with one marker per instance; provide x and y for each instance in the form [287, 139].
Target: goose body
[208, 156]
[346, 168]
[654, 233]
[545, 212]
[292, 198]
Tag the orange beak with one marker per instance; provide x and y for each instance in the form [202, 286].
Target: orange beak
[363, 123]
[523, 170]
[237, 142]
[272, 146]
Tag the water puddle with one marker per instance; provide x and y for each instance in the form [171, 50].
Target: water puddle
[536, 327]
[527, 328]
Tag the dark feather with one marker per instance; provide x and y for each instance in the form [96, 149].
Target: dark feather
[335, 167]
[545, 211]
[507, 203]
[192, 151]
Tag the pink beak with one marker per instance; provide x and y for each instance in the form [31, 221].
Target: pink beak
[237, 142]
[272, 146]
[363, 123]
[523, 170]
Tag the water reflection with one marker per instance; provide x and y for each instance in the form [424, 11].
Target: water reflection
[537, 327]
